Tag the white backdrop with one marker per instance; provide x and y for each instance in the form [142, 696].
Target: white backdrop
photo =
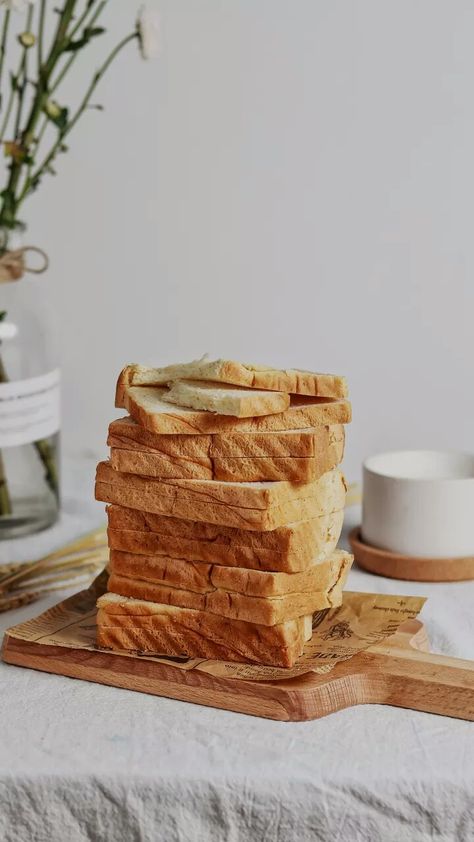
[292, 183]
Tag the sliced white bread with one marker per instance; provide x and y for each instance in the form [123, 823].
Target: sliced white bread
[289, 549]
[202, 577]
[148, 627]
[264, 610]
[126, 433]
[147, 407]
[226, 400]
[295, 381]
[226, 468]
[259, 506]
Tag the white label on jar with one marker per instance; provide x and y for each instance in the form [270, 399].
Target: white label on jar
[29, 409]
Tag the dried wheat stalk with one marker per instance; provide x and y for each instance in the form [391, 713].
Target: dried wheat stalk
[68, 576]
[74, 564]
[17, 600]
[82, 549]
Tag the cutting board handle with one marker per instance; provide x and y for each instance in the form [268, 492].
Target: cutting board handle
[423, 681]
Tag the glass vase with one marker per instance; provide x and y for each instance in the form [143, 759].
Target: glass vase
[29, 410]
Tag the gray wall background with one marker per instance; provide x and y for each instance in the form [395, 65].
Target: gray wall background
[289, 183]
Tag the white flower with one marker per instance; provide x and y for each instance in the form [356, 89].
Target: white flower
[17, 5]
[148, 28]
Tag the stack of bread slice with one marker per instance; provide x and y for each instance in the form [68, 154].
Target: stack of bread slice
[225, 509]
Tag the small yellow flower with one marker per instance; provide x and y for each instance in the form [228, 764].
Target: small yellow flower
[27, 39]
[13, 150]
[53, 110]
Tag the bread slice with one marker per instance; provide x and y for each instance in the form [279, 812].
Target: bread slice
[240, 374]
[264, 610]
[260, 495]
[326, 576]
[147, 407]
[290, 549]
[150, 463]
[259, 506]
[226, 400]
[240, 517]
[202, 578]
[148, 627]
[126, 433]
[225, 468]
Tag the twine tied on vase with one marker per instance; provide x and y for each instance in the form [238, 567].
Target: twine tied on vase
[13, 263]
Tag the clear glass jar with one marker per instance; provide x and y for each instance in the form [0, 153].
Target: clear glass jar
[29, 409]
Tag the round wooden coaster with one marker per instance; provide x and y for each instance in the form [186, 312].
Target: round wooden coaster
[395, 566]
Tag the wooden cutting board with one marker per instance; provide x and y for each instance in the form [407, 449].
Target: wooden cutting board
[399, 672]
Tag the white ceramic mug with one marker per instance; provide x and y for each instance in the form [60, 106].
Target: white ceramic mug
[420, 503]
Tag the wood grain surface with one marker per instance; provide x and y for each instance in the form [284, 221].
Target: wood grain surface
[399, 672]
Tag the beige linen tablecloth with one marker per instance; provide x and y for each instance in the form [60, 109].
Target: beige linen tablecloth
[80, 761]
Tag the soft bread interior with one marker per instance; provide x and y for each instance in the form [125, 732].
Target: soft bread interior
[150, 398]
[226, 400]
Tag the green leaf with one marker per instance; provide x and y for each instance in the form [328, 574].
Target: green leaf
[92, 31]
[89, 33]
[61, 121]
[3, 314]
[74, 46]
[57, 114]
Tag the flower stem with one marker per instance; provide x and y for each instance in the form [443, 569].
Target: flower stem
[97, 77]
[82, 18]
[33, 179]
[11, 99]
[23, 76]
[10, 206]
[5, 500]
[3, 44]
[74, 55]
[56, 83]
[48, 457]
[41, 35]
